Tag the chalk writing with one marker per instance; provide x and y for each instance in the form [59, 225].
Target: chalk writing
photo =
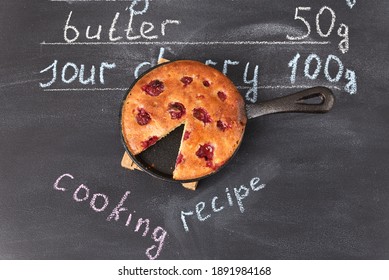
[351, 3]
[226, 63]
[86, 195]
[71, 33]
[99, 202]
[218, 205]
[342, 30]
[242, 50]
[339, 72]
[350, 76]
[305, 22]
[252, 92]
[93, 202]
[308, 65]
[138, 31]
[70, 71]
[351, 86]
[333, 18]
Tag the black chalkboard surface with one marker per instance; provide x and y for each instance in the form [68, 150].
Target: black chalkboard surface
[301, 186]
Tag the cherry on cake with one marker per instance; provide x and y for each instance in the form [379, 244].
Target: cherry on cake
[192, 94]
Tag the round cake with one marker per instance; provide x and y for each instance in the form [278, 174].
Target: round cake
[192, 94]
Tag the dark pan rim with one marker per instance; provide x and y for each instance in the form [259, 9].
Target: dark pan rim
[138, 158]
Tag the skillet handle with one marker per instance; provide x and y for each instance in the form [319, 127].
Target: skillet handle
[295, 103]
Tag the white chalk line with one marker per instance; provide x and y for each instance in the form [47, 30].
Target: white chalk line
[285, 87]
[190, 43]
[85, 89]
[239, 87]
[91, 0]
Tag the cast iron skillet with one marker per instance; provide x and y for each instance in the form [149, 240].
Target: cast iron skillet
[159, 160]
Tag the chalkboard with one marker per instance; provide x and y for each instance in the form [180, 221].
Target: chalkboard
[302, 186]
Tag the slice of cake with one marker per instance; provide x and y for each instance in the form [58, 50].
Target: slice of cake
[190, 93]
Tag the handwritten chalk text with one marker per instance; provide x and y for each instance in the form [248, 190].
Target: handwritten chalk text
[100, 202]
[351, 3]
[342, 30]
[72, 33]
[252, 83]
[205, 210]
[70, 72]
[313, 66]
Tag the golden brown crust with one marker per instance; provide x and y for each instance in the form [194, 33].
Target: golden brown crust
[209, 91]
